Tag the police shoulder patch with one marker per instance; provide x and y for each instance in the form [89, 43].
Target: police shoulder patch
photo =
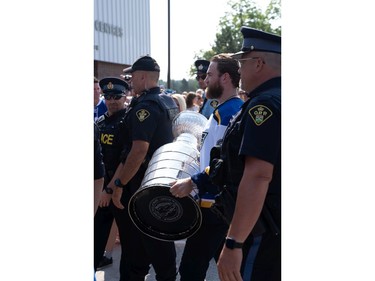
[100, 119]
[214, 103]
[260, 114]
[142, 114]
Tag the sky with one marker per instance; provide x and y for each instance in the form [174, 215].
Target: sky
[194, 24]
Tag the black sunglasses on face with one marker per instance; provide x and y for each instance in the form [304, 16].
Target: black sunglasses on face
[201, 77]
[115, 97]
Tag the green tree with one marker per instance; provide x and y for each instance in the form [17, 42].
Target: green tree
[185, 85]
[242, 13]
[273, 14]
[181, 85]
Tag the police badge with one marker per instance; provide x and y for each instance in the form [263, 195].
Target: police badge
[260, 114]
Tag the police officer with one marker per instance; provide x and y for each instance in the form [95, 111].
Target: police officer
[112, 141]
[209, 104]
[251, 153]
[148, 124]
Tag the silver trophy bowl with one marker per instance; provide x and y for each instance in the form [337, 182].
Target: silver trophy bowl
[153, 209]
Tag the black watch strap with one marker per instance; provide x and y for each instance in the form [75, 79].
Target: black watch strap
[118, 183]
[232, 244]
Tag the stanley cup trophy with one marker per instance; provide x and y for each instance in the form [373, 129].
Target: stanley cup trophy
[152, 208]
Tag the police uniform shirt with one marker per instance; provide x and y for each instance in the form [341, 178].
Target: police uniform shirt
[262, 127]
[149, 122]
[208, 107]
[98, 156]
[216, 126]
[112, 138]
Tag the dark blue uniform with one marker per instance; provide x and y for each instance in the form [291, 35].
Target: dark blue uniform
[98, 155]
[256, 131]
[112, 141]
[149, 119]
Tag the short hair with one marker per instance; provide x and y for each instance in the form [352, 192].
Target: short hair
[189, 99]
[96, 80]
[227, 64]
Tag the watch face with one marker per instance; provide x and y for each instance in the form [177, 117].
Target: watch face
[229, 243]
[232, 244]
[118, 183]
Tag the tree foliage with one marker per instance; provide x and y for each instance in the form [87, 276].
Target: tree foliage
[243, 13]
[229, 38]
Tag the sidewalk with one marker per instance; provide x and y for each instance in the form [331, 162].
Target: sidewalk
[111, 273]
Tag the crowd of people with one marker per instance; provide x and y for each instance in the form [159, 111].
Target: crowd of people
[240, 164]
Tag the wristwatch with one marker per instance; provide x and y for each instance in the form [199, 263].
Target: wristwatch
[232, 244]
[118, 183]
[108, 190]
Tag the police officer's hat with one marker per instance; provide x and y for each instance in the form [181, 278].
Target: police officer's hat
[114, 86]
[257, 40]
[145, 63]
[201, 66]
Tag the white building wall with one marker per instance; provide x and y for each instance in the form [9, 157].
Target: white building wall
[121, 30]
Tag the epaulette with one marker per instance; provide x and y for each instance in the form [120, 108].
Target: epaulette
[100, 119]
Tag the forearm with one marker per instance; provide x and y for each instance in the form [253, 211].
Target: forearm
[98, 187]
[250, 200]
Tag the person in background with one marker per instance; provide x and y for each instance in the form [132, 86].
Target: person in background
[111, 241]
[248, 169]
[222, 80]
[99, 104]
[98, 170]
[148, 126]
[180, 101]
[208, 105]
[199, 101]
[200, 93]
[192, 102]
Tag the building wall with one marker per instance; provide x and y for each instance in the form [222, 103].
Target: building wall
[107, 69]
[121, 34]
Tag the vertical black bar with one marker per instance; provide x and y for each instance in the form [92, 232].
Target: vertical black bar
[169, 46]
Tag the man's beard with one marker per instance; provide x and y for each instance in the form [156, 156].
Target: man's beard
[214, 91]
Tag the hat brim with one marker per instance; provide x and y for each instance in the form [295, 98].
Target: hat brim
[238, 55]
[114, 94]
[128, 70]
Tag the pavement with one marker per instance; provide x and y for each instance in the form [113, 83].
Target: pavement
[111, 272]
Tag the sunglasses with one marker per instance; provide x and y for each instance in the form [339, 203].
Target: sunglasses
[201, 77]
[115, 97]
[240, 61]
